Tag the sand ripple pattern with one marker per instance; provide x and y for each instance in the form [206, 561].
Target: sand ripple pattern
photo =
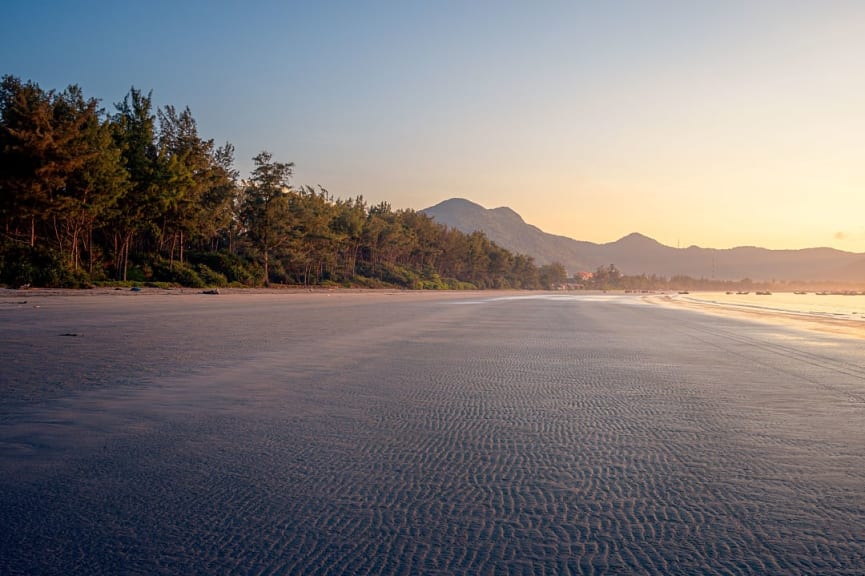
[536, 436]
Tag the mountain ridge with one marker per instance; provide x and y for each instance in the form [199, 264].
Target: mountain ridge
[636, 253]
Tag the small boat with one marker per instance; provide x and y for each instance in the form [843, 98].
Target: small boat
[799, 292]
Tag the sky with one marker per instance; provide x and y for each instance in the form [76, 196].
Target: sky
[708, 123]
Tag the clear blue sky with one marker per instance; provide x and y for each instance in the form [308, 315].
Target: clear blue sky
[709, 123]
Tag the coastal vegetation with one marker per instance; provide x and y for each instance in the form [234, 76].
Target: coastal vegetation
[135, 195]
[611, 278]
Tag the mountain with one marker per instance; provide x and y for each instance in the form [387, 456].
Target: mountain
[639, 254]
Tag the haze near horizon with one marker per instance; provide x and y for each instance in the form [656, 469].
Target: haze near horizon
[711, 125]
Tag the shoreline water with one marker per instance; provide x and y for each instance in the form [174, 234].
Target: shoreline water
[802, 320]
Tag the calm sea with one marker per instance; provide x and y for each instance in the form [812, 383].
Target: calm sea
[812, 304]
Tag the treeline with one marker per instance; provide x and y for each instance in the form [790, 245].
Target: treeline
[137, 195]
[611, 278]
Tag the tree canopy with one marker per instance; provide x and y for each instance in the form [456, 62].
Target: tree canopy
[137, 195]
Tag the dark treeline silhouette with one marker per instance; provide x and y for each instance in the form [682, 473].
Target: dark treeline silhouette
[611, 278]
[136, 195]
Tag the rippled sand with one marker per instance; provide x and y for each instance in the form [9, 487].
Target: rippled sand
[406, 433]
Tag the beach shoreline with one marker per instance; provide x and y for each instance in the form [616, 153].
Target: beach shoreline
[843, 327]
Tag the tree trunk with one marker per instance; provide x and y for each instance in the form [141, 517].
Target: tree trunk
[127, 240]
[117, 256]
[171, 252]
[74, 249]
[125, 259]
[90, 255]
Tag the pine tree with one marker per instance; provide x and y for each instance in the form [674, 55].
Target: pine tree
[266, 211]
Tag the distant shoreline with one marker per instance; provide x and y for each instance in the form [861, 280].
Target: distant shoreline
[834, 326]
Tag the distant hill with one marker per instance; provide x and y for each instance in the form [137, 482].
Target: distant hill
[639, 254]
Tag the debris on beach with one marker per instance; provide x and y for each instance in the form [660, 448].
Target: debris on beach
[214, 291]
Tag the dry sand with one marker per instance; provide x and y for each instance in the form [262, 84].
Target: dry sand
[406, 432]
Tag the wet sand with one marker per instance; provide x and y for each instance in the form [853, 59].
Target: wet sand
[405, 432]
[809, 322]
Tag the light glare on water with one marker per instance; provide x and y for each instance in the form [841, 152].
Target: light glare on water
[810, 304]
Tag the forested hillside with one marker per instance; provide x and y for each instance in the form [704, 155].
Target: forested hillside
[133, 194]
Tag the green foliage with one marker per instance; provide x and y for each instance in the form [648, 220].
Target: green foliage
[139, 196]
[210, 276]
[139, 274]
[265, 212]
[454, 284]
[398, 275]
[366, 282]
[552, 275]
[231, 267]
[176, 273]
[22, 265]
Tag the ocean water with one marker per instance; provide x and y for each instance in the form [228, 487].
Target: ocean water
[810, 304]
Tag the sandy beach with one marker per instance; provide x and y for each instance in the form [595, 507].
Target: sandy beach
[394, 432]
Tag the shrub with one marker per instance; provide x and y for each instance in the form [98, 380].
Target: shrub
[176, 272]
[22, 265]
[232, 267]
[211, 277]
[399, 275]
[454, 284]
